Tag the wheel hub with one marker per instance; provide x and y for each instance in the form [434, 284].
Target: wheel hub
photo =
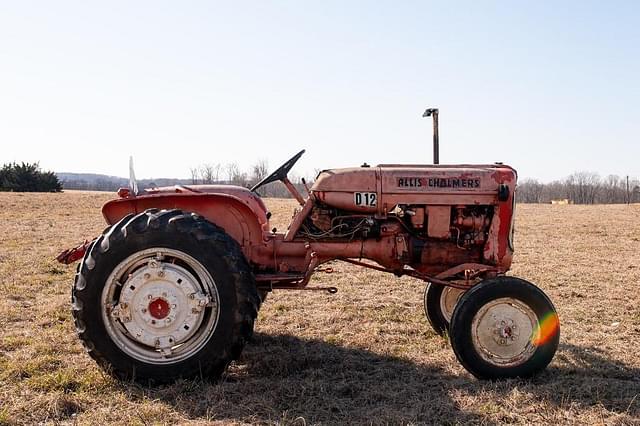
[161, 305]
[502, 331]
[505, 332]
[159, 308]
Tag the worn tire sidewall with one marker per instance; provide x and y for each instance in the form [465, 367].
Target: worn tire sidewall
[472, 301]
[211, 259]
[432, 310]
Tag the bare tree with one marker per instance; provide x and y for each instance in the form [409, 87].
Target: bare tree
[209, 173]
[235, 175]
[613, 190]
[194, 175]
[530, 191]
[232, 170]
[259, 171]
[583, 187]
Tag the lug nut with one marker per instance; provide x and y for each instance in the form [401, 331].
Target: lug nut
[161, 273]
[147, 275]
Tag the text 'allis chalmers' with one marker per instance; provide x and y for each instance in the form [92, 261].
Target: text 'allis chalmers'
[172, 288]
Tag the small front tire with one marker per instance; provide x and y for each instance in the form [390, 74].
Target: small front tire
[439, 303]
[504, 327]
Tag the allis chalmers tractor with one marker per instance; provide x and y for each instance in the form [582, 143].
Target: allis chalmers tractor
[172, 287]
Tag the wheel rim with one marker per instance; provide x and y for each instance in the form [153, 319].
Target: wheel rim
[503, 331]
[160, 305]
[448, 300]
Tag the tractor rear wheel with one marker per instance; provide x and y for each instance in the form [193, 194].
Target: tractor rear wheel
[163, 295]
[439, 303]
[504, 327]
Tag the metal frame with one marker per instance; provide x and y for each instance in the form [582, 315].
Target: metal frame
[287, 261]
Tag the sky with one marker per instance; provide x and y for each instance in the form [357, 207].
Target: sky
[548, 87]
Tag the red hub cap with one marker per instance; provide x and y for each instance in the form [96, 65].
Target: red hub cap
[159, 308]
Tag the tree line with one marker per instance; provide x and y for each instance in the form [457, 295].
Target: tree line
[227, 174]
[25, 177]
[578, 188]
[231, 174]
[581, 188]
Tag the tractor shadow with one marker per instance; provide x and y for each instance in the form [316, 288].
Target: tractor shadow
[285, 379]
[288, 380]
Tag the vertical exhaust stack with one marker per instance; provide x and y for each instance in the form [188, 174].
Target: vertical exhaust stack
[436, 138]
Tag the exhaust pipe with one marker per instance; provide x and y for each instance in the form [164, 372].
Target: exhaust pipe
[436, 139]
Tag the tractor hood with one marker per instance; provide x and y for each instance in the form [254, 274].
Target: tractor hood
[412, 183]
[414, 178]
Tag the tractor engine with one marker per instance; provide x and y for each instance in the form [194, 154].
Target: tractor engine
[445, 215]
[465, 226]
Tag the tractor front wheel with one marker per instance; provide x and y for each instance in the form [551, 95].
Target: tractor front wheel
[504, 327]
[439, 303]
[163, 295]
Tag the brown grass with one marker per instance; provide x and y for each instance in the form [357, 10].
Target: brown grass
[365, 355]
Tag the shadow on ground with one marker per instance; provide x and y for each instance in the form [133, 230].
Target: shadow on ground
[287, 379]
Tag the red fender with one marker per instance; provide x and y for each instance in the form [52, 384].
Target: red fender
[244, 220]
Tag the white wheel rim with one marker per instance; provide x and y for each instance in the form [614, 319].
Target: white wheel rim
[160, 306]
[448, 301]
[502, 332]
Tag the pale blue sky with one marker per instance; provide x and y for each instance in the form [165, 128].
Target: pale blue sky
[548, 87]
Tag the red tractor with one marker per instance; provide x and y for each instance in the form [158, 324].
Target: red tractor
[172, 287]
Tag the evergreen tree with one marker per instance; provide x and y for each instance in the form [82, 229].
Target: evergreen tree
[25, 177]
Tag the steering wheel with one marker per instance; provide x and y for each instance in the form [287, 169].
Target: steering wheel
[280, 173]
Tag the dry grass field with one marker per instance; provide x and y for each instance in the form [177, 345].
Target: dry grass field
[365, 355]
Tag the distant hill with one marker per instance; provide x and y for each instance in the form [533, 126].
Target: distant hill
[97, 182]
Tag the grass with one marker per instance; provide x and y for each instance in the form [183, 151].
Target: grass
[364, 355]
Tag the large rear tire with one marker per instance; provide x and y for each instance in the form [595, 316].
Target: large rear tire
[164, 295]
[504, 327]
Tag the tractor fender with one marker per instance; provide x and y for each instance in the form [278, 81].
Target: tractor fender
[243, 220]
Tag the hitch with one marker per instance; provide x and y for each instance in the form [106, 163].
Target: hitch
[330, 290]
[69, 256]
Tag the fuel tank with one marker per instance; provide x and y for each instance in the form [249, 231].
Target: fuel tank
[379, 189]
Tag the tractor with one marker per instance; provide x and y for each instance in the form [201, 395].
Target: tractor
[172, 287]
